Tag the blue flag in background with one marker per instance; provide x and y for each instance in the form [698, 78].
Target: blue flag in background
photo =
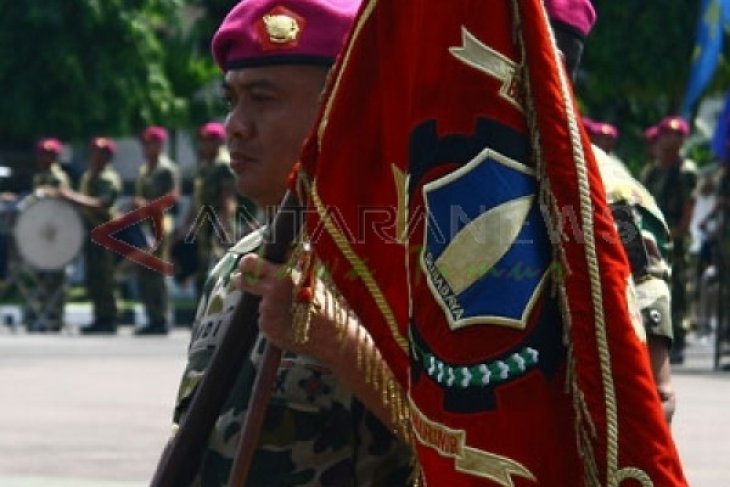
[718, 144]
[714, 15]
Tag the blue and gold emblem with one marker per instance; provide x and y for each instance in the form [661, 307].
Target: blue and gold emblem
[486, 251]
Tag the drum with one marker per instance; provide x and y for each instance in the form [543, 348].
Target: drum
[49, 232]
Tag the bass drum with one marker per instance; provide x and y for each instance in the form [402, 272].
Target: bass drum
[49, 233]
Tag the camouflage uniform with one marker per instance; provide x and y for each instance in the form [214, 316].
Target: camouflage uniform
[673, 188]
[50, 282]
[211, 185]
[152, 185]
[315, 431]
[637, 213]
[99, 261]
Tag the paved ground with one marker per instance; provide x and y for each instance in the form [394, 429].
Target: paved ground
[85, 408]
[94, 412]
[702, 423]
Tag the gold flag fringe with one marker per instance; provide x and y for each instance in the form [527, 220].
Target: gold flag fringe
[332, 303]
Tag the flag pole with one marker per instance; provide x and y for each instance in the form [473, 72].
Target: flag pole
[255, 415]
[180, 461]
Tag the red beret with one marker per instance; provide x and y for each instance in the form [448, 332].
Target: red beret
[213, 130]
[104, 143]
[600, 128]
[265, 32]
[589, 125]
[603, 128]
[674, 123]
[155, 132]
[650, 134]
[577, 14]
[49, 145]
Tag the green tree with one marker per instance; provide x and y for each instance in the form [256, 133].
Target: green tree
[73, 68]
[636, 65]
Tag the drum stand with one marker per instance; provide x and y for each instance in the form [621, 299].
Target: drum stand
[41, 292]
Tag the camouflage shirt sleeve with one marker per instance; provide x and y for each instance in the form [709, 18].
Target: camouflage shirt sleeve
[653, 240]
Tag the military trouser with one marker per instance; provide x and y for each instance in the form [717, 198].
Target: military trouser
[100, 283]
[153, 289]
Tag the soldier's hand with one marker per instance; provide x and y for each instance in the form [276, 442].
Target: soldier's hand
[46, 192]
[275, 286]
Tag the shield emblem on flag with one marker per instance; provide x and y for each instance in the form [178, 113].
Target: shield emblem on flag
[486, 251]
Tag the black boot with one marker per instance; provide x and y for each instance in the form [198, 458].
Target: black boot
[101, 327]
[152, 329]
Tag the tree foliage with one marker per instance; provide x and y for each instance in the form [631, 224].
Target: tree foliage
[636, 66]
[75, 68]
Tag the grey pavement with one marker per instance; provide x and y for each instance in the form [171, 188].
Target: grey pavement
[85, 411]
[95, 411]
[701, 424]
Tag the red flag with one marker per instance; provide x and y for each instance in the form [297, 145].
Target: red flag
[460, 212]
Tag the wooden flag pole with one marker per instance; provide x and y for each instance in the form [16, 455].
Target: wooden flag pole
[256, 413]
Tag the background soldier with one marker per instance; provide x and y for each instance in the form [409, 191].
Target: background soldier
[49, 178]
[672, 182]
[98, 190]
[157, 177]
[214, 201]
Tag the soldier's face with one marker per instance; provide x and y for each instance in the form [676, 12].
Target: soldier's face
[605, 142]
[271, 111]
[208, 148]
[44, 159]
[669, 144]
[152, 149]
[97, 159]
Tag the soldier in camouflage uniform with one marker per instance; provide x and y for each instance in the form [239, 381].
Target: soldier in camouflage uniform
[646, 239]
[98, 190]
[157, 177]
[49, 178]
[316, 432]
[672, 182]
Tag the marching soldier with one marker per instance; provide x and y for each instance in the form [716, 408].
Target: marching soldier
[214, 201]
[672, 182]
[49, 178]
[99, 188]
[158, 176]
